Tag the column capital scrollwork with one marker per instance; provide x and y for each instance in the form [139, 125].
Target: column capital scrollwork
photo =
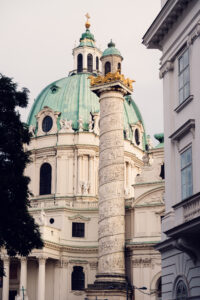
[194, 34]
[5, 258]
[42, 259]
[23, 258]
[165, 68]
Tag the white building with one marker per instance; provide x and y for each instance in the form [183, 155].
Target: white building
[175, 32]
[64, 182]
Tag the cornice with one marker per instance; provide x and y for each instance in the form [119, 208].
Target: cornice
[71, 249]
[164, 21]
[183, 130]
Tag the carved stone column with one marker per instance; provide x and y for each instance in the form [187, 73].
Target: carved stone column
[41, 278]
[79, 173]
[91, 174]
[23, 276]
[6, 265]
[111, 186]
[110, 278]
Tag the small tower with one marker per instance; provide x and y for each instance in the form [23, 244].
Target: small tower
[111, 88]
[87, 55]
[111, 59]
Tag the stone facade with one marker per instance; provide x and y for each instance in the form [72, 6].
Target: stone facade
[176, 32]
[89, 211]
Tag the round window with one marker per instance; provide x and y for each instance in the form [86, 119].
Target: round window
[137, 136]
[51, 221]
[47, 124]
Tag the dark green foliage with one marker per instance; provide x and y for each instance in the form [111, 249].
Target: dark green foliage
[18, 232]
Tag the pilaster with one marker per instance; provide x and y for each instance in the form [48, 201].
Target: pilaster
[6, 266]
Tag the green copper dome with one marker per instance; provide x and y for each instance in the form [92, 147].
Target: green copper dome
[87, 39]
[160, 138]
[72, 97]
[111, 50]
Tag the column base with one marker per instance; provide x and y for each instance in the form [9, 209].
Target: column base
[110, 289]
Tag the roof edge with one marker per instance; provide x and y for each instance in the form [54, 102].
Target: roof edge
[164, 21]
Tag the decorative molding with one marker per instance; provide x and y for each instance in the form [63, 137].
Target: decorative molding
[183, 104]
[79, 217]
[144, 262]
[47, 111]
[168, 66]
[187, 127]
[93, 265]
[194, 34]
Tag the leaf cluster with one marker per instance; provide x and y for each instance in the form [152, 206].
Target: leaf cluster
[18, 232]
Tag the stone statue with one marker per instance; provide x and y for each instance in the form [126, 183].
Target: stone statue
[96, 123]
[42, 218]
[80, 121]
[85, 188]
[32, 130]
[66, 126]
[90, 126]
[127, 134]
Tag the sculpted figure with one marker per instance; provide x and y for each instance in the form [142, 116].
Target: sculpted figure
[80, 121]
[42, 217]
[32, 130]
[66, 126]
[85, 188]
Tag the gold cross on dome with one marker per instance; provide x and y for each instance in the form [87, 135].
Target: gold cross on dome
[87, 16]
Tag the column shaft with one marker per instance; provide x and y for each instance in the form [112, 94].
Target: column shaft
[6, 265]
[91, 174]
[41, 279]
[111, 186]
[23, 276]
[79, 174]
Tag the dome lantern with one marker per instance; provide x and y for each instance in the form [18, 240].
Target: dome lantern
[111, 59]
[86, 54]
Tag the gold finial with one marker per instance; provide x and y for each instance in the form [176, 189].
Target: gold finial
[87, 24]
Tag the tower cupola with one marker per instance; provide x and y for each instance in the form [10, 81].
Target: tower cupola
[86, 54]
[111, 59]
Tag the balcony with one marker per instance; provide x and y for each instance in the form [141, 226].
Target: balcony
[186, 230]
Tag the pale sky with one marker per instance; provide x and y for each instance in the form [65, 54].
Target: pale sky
[37, 38]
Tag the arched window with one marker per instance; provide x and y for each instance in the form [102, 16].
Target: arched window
[90, 63]
[119, 67]
[107, 67]
[137, 136]
[158, 290]
[181, 291]
[97, 63]
[78, 278]
[80, 63]
[45, 179]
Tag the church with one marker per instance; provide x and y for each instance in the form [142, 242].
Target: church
[64, 122]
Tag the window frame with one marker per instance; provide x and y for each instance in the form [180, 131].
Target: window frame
[180, 297]
[81, 281]
[90, 63]
[41, 185]
[183, 71]
[79, 63]
[78, 232]
[187, 167]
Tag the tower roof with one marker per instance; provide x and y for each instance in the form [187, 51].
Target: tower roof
[87, 38]
[111, 50]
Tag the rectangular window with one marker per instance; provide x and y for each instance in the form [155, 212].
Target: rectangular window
[78, 229]
[184, 76]
[186, 174]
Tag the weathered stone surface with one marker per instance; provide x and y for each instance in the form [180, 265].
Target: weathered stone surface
[111, 185]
